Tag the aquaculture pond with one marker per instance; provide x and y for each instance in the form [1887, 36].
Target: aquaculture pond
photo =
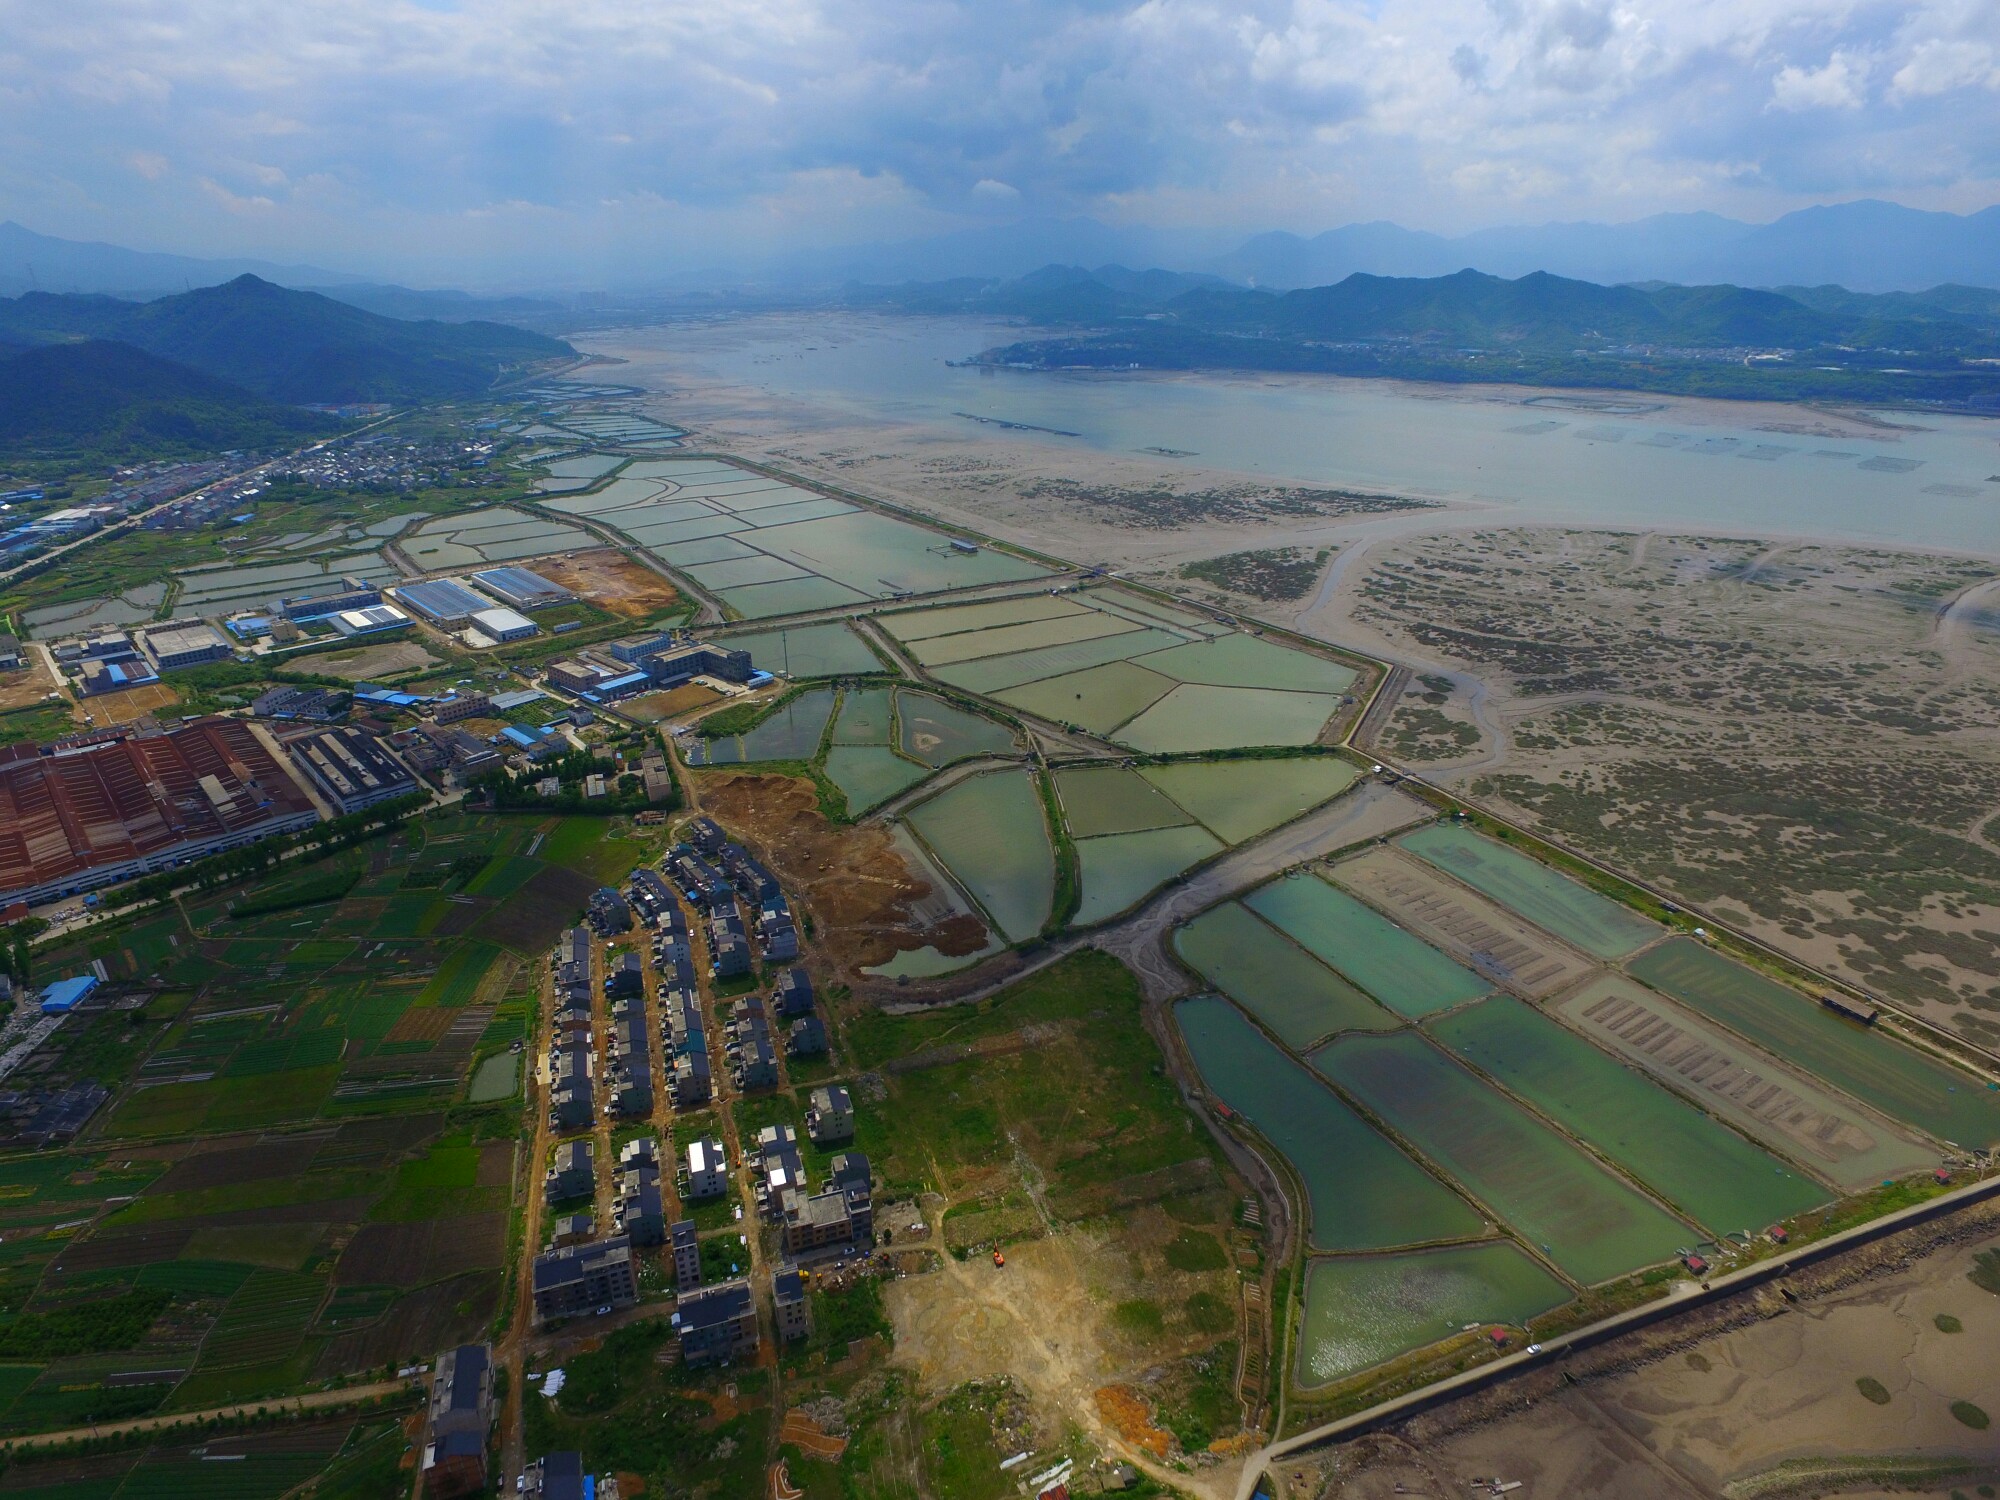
[1700, 1166]
[939, 733]
[1299, 998]
[1197, 717]
[801, 651]
[1555, 903]
[1405, 974]
[869, 775]
[1119, 868]
[1585, 1220]
[1364, 1193]
[1788, 1110]
[1239, 799]
[990, 833]
[1869, 1064]
[867, 717]
[1112, 799]
[1362, 1310]
[792, 732]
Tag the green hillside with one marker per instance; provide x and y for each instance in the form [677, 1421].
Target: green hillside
[96, 401]
[292, 346]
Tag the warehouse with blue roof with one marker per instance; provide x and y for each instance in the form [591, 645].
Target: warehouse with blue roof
[442, 601]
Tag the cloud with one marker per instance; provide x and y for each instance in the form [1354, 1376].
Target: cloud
[1840, 84]
[576, 137]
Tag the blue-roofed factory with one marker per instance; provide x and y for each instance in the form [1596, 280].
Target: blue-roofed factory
[64, 995]
[442, 601]
[521, 588]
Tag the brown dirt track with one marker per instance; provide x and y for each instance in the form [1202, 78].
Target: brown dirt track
[611, 580]
[856, 885]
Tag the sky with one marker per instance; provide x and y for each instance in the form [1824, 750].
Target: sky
[488, 140]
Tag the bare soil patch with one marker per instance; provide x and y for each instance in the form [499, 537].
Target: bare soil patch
[651, 708]
[133, 703]
[249, 1163]
[28, 686]
[859, 889]
[383, 659]
[612, 581]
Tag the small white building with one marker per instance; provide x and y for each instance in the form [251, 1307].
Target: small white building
[185, 645]
[368, 619]
[504, 625]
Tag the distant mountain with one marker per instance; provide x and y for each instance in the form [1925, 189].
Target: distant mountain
[32, 262]
[1054, 294]
[444, 306]
[112, 403]
[292, 346]
[1866, 246]
[1551, 330]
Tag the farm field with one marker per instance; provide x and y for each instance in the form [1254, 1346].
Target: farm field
[767, 548]
[306, 1167]
[1145, 675]
[1363, 1310]
[1589, 1223]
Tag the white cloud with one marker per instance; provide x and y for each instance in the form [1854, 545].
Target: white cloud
[423, 127]
[1940, 67]
[1840, 84]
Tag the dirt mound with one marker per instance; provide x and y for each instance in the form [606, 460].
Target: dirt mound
[859, 889]
[1126, 1411]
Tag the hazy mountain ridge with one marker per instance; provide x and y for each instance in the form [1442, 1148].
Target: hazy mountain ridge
[288, 345]
[113, 402]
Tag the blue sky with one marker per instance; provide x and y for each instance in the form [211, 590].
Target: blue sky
[495, 139]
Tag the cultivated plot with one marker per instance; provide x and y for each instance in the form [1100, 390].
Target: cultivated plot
[1587, 1222]
[1363, 1192]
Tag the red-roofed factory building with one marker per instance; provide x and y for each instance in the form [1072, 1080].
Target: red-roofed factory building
[96, 808]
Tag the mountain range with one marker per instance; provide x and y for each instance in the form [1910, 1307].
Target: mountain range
[290, 346]
[1864, 246]
[1941, 347]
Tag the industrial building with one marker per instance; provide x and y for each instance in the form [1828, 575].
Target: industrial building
[185, 645]
[522, 589]
[460, 706]
[578, 1278]
[575, 676]
[63, 996]
[353, 594]
[11, 659]
[504, 625]
[350, 768]
[91, 810]
[114, 676]
[368, 619]
[442, 601]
